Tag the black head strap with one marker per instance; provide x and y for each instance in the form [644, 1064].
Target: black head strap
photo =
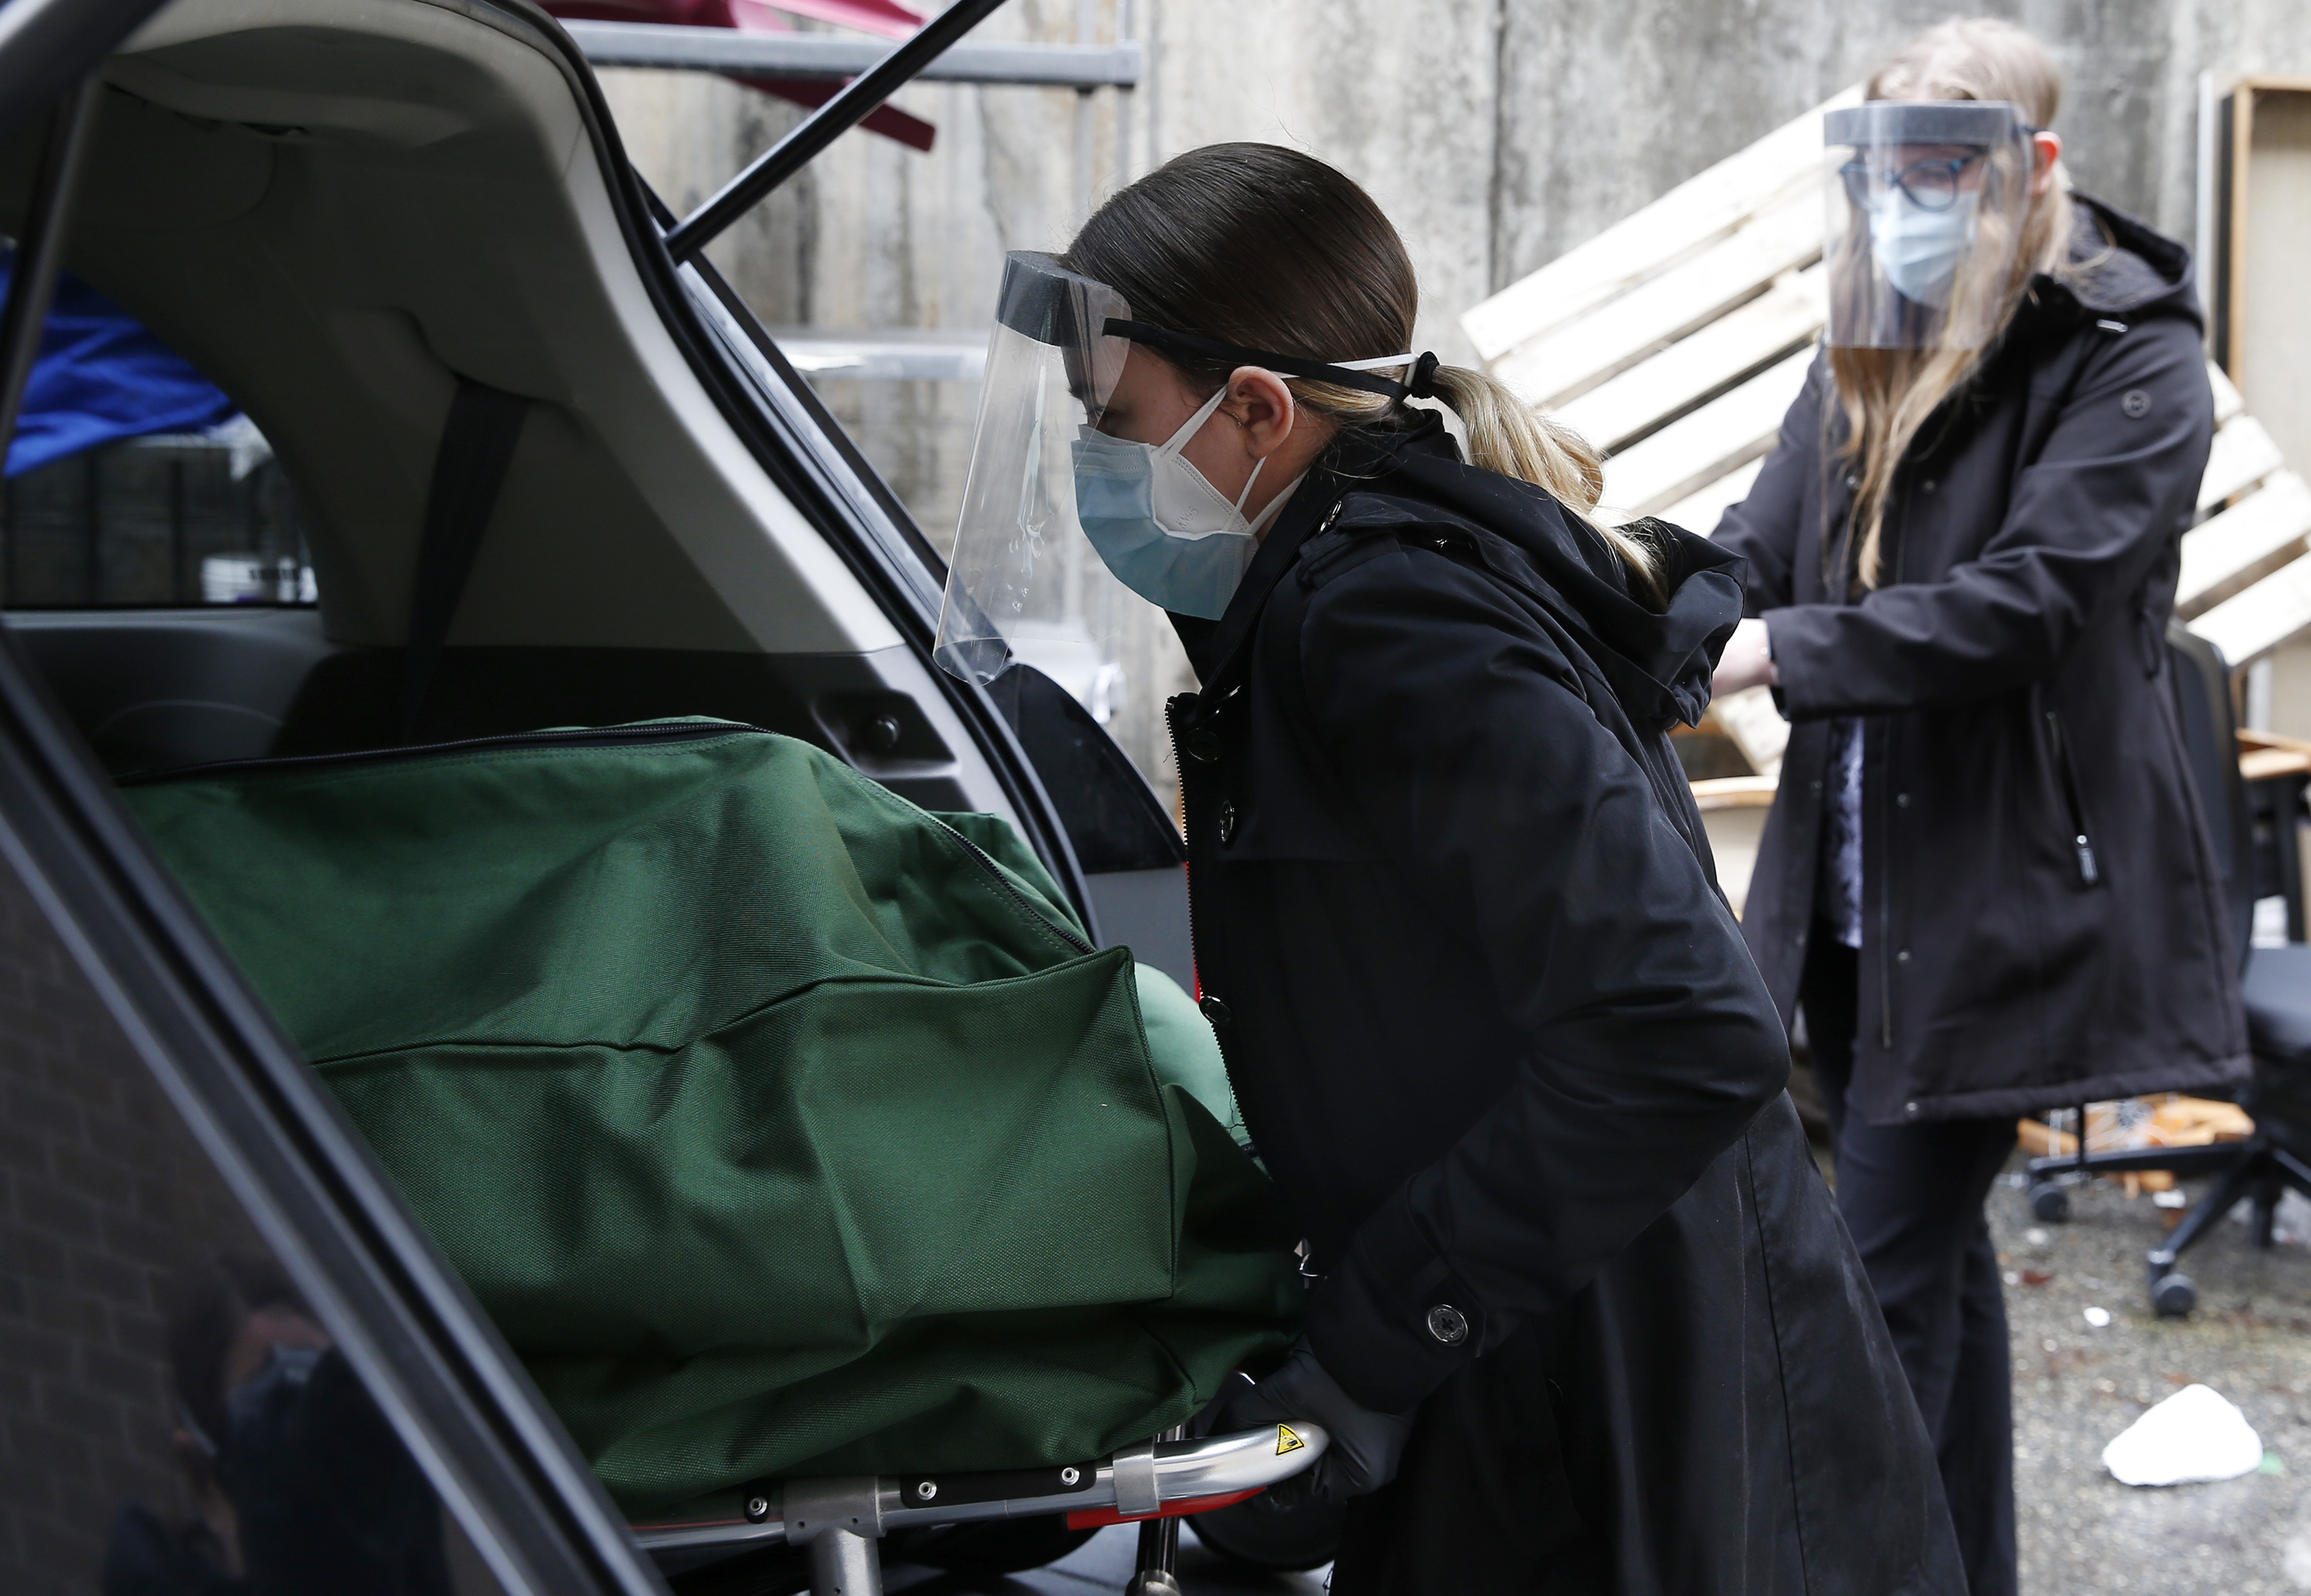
[1188, 344]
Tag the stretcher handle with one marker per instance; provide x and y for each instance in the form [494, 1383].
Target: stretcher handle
[1156, 1478]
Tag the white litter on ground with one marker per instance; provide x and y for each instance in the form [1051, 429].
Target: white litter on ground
[2193, 1435]
[2098, 1317]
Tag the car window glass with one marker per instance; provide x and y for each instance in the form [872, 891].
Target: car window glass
[174, 1419]
[133, 480]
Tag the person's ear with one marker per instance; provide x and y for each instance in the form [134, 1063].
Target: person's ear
[1260, 403]
[2046, 151]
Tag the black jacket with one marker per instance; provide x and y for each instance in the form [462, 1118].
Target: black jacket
[2014, 680]
[1496, 1034]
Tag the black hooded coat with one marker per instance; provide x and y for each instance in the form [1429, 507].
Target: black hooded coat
[1495, 1033]
[2041, 918]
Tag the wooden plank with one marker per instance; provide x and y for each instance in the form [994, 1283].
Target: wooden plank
[1737, 792]
[2250, 624]
[1688, 218]
[1729, 431]
[2254, 737]
[1571, 359]
[1756, 726]
[2222, 554]
[2242, 99]
[1790, 313]
[1702, 510]
[2243, 456]
[2259, 764]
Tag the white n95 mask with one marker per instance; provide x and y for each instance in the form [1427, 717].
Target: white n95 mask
[1158, 523]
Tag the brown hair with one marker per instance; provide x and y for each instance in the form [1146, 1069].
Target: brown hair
[1887, 395]
[1264, 248]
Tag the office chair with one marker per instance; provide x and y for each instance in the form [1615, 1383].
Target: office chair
[2254, 831]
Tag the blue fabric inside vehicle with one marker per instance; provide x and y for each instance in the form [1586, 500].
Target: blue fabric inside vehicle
[103, 376]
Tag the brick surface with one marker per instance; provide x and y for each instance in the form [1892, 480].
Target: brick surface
[58, 1209]
[102, 1194]
[133, 1379]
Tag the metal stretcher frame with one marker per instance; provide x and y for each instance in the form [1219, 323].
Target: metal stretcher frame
[841, 1519]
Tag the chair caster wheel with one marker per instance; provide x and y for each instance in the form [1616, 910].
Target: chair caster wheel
[2050, 1202]
[2174, 1295]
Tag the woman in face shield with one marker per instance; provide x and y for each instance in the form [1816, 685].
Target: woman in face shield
[1985, 879]
[1586, 1320]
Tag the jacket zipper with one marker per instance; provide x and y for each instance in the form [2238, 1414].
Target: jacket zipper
[2089, 873]
[1886, 956]
[1877, 823]
[608, 736]
[1179, 762]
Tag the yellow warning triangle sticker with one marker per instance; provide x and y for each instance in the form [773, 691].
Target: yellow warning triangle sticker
[1286, 1441]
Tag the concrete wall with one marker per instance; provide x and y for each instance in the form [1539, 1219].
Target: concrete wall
[1496, 133]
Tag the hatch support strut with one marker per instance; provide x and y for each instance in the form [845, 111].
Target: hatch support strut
[41, 247]
[822, 127]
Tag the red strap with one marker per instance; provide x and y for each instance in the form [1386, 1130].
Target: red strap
[1096, 1518]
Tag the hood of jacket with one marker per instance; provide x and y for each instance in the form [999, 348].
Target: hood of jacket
[1658, 661]
[2120, 267]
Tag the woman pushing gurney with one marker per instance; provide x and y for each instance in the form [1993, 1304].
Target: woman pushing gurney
[1588, 1321]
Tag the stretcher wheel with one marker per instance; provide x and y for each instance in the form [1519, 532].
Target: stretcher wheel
[2174, 1295]
[1259, 1536]
[2050, 1202]
[997, 1546]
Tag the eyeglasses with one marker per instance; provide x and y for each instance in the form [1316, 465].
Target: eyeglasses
[1929, 185]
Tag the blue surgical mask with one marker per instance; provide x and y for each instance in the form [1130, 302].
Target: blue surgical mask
[1158, 523]
[1918, 250]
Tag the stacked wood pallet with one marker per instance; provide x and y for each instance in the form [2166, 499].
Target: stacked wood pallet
[1676, 339]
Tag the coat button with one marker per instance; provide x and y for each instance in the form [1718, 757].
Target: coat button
[1448, 1324]
[1216, 1012]
[1901, 800]
[2136, 403]
[1204, 745]
[1854, 479]
[1902, 957]
[1909, 1108]
[1227, 822]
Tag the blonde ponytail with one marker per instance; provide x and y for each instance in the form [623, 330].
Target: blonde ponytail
[1509, 436]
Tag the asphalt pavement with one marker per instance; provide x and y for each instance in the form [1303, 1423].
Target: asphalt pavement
[2077, 1384]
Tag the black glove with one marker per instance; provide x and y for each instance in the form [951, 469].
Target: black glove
[1364, 1444]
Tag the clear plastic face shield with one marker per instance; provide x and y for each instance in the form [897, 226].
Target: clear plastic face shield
[1024, 582]
[1073, 543]
[1927, 203]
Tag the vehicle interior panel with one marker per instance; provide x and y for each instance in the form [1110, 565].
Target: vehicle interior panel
[160, 690]
[347, 246]
[340, 215]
